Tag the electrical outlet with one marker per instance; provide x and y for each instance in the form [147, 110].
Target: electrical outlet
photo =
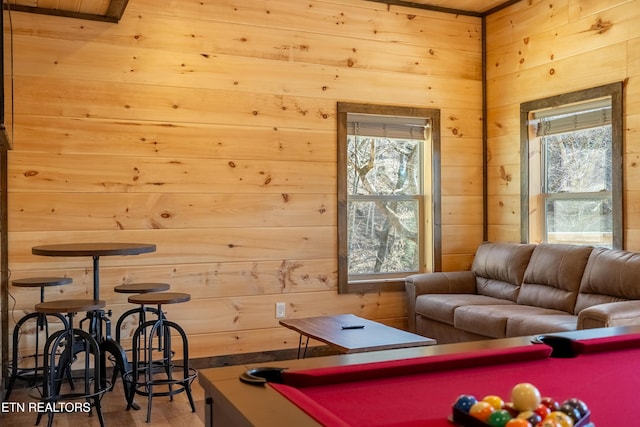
[280, 310]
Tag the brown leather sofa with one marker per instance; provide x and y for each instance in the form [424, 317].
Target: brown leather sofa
[526, 289]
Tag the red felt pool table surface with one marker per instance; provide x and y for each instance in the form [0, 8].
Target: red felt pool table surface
[421, 391]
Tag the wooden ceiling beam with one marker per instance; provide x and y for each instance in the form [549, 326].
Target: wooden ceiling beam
[114, 12]
[415, 5]
[116, 9]
[427, 7]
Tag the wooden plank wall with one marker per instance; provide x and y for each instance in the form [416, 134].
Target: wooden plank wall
[537, 49]
[209, 130]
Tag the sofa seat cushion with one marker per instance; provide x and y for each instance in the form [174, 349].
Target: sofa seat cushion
[610, 276]
[493, 320]
[441, 307]
[552, 278]
[545, 322]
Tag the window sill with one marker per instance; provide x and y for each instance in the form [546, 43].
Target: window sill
[373, 285]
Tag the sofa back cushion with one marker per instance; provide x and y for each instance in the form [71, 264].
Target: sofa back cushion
[552, 279]
[611, 275]
[499, 268]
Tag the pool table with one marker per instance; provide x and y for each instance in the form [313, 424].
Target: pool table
[417, 387]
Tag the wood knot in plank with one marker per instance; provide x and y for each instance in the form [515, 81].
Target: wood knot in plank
[600, 26]
[504, 175]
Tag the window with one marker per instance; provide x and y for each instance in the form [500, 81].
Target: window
[573, 146]
[386, 162]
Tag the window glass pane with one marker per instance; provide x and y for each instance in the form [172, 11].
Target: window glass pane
[578, 161]
[383, 236]
[587, 221]
[383, 166]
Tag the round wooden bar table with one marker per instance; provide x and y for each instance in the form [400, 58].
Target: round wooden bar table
[94, 250]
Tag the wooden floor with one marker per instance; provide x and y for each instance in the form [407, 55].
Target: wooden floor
[176, 413]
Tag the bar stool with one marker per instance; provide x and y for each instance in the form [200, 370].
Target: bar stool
[32, 374]
[151, 371]
[135, 288]
[138, 288]
[62, 349]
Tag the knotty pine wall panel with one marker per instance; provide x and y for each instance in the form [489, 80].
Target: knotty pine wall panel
[545, 48]
[209, 129]
[61, 211]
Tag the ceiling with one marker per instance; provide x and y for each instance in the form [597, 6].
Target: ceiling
[112, 10]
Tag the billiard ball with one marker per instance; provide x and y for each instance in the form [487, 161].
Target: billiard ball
[495, 401]
[525, 397]
[517, 422]
[530, 416]
[465, 402]
[548, 423]
[550, 403]
[578, 404]
[499, 418]
[481, 410]
[572, 411]
[561, 418]
[542, 410]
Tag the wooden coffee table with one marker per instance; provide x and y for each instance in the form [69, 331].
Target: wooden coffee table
[352, 334]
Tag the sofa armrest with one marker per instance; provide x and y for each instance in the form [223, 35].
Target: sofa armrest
[620, 313]
[455, 282]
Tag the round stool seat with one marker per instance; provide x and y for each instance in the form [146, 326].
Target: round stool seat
[160, 298]
[70, 306]
[38, 282]
[141, 288]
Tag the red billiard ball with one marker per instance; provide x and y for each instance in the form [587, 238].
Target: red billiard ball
[550, 403]
[542, 410]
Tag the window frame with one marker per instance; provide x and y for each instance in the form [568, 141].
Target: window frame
[613, 91]
[431, 236]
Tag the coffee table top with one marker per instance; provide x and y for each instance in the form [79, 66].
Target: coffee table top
[371, 336]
